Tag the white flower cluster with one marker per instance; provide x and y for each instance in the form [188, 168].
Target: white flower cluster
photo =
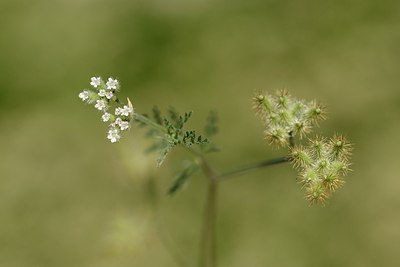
[102, 98]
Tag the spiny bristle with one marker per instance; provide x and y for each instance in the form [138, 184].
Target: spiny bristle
[340, 147]
[317, 194]
[276, 136]
[283, 98]
[300, 157]
[333, 182]
[306, 177]
[316, 112]
[319, 172]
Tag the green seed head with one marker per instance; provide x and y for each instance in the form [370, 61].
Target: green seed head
[287, 112]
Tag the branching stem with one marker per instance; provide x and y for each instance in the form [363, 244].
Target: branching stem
[254, 167]
[208, 255]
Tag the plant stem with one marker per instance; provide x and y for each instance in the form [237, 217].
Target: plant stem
[208, 255]
[149, 122]
[254, 167]
[163, 236]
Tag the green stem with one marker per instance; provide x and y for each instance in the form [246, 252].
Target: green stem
[163, 236]
[208, 255]
[145, 120]
[254, 167]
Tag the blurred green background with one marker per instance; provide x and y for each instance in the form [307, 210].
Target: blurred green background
[70, 198]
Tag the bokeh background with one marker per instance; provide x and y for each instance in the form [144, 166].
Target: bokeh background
[70, 198]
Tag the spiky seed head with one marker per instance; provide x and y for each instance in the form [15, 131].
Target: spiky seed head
[322, 164]
[284, 98]
[316, 112]
[317, 193]
[300, 157]
[319, 172]
[340, 148]
[298, 108]
[340, 167]
[307, 176]
[284, 116]
[301, 128]
[262, 104]
[318, 145]
[284, 111]
[332, 181]
[277, 136]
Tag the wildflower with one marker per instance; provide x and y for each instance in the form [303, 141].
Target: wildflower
[95, 81]
[118, 111]
[102, 99]
[102, 93]
[101, 105]
[117, 121]
[124, 111]
[84, 95]
[109, 94]
[123, 125]
[113, 135]
[112, 84]
[106, 117]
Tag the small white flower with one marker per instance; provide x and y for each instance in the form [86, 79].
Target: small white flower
[106, 117]
[118, 111]
[100, 105]
[84, 95]
[123, 125]
[109, 94]
[102, 93]
[113, 135]
[95, 81]
[117, 121]
[126, 110]
[112, 84]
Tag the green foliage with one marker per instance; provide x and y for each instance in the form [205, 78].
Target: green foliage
[157, 115]
[211, 127]
[169, 131]
[182, 177]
